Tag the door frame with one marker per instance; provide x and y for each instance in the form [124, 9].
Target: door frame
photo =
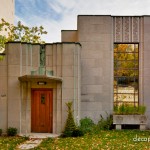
[42, 89]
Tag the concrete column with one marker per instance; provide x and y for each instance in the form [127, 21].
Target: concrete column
[14, 71]
[146, 66]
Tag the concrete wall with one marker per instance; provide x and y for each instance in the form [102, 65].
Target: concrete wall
[64, 60]
[15, 96]
[69, 35]
[146, 66]
[14, 55]
[96, 37]
[3, 93]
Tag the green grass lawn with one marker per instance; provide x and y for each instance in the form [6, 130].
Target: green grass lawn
[104, 140]
[10, 143]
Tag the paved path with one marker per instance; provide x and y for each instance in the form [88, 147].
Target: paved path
[35, 140]
[32, 143]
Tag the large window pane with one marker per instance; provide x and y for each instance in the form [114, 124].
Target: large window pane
[126, 73]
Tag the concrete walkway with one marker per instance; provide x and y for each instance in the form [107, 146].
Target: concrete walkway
[32, 143]
[35, 140]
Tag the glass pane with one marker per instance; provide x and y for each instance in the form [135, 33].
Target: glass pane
[115, 89]
[128, 98]
[136, 64]
[115, 56]
[115, 47]
[123, 81]
[126, 48]
[130, 48]
[126, 56]
[127, 89]
[126, 64]
[115, 81]
[136, 89]
[122, 47]
[136, 73]
[136, 98]
[115, 97]
[42, 99]
[126, 72]
[136, 47]
[115, 72]
[115, 64]
[136, 56]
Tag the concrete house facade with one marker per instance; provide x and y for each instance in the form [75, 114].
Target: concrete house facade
[102, 63]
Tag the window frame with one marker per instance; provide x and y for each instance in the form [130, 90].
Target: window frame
[134, 102]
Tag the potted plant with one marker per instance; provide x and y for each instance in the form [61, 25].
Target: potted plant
[129, 115]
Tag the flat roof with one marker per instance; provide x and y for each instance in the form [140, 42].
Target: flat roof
[118, 15]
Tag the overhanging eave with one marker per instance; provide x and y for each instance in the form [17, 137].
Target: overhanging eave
[39, 78]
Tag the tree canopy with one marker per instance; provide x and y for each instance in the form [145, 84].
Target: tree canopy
[20, 33]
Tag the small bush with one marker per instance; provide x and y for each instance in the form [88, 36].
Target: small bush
[0, 132]
[141, 110]
[105, 124]
[70, 124]
[66, 134]
[86, 125]
[129, 110]
[11, 131]
[26, 137]
[77, 132]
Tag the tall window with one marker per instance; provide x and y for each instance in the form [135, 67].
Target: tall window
[126, 73]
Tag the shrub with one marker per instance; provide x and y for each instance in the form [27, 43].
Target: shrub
[0, 132]
[77, 132]
[129, 109]
[141, 110]
[105, 124]
[66, 134]
[70, 124]
[11, 131]
[86, 125]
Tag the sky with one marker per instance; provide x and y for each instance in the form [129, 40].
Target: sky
[57, 15]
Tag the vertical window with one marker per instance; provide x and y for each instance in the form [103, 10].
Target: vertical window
[126, 73]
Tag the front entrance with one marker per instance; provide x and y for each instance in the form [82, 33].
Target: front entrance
[41, 110]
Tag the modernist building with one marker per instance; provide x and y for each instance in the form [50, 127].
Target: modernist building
[102, 63]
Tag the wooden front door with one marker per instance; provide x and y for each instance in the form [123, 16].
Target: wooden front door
[41, 110]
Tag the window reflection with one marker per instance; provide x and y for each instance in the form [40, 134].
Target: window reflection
[126, 73]
[126, 64]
